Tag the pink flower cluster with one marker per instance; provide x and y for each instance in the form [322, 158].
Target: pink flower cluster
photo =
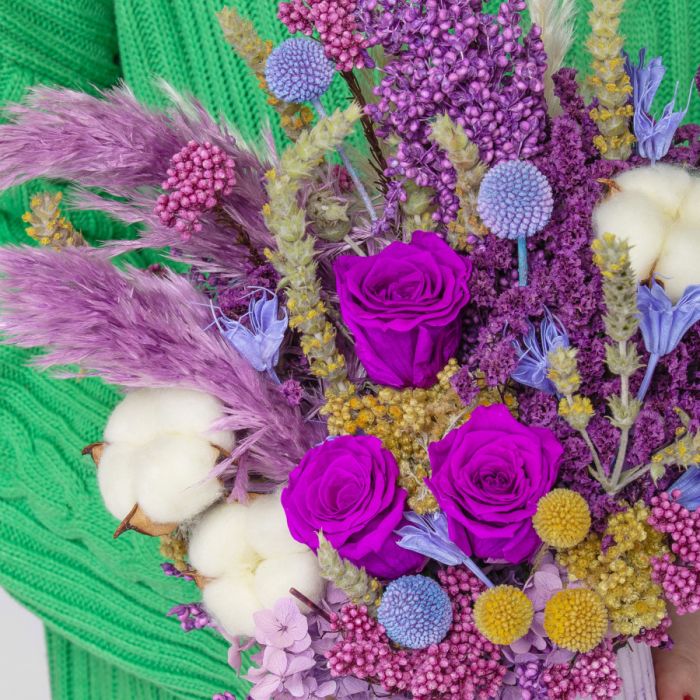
[678, 575]
[657, 637]
[199, 174]
[464, 666]
[335, 21]
[592, 675]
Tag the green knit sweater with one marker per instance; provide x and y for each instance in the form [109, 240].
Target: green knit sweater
[104, 601]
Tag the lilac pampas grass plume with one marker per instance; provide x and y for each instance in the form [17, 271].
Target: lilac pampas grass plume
[137, 329]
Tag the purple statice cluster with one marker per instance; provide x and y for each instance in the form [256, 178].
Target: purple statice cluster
[677, 573]
[594, 670]
[564, 280]
[452, 58]
[464, 665]
[192, 616]
[337, 27]
[199, 174]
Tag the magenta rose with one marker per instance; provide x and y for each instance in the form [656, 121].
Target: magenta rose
[487, 477]
[347, 487]
[403, 307]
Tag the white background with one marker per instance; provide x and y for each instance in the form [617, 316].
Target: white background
[24, 671]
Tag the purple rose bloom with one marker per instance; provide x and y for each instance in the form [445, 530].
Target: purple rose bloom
[487, 476]
[403, 307]
[347, 487]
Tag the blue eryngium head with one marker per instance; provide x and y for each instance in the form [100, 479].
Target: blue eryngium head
[259, 342]
[533, 365]
[689, 486]
[663, 325]
[654, 137]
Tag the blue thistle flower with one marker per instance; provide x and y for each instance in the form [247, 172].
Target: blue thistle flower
[415, 612]
[515, 201]
[688, 483]
[298, 71]
[533, 365]
[259, 344]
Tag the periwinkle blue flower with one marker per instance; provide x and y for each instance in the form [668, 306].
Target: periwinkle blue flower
[533, 365]
[298, 71]
[260, 343]
[664, 324]
[688, 484]
[654, 137]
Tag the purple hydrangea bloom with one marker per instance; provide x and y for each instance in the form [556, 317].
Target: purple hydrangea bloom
[259, 344]
[533, 364]
[298, 70]
[663, 325]
[515, 199]
[654, 137]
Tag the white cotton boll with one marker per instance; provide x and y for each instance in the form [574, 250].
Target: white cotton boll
[116, 477]
[267, 530]
[689, 214]
[665, 185]
[232, 601]
[274, 578]
[172, 483]
[145, 414]
[218, 544]
[633, 217]
[679, 264]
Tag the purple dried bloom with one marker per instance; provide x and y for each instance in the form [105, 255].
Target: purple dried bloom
[172, 570]
[136, 329]
[515, 199]
[298, 71]
[292, 391]
[192, 616]
[654, 137]
[224, 696]
[533, 365]
[465, 386]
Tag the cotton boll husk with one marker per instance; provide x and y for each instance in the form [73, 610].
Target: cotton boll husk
[665, 185]
[232, 601]
[116, 477]
[274, 577]
[267, 530]
[689, 214]
[172, 483]
[145, 414]
[218, 544]
[679, 264]
[633, 217]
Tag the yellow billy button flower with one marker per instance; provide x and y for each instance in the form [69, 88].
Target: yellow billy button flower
[562, 519]
[575, 619]
[503, 614]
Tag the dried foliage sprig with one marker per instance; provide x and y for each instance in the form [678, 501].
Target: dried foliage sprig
[47, 225]
[556, 19]
[294, 258]
[356, 583]
[611, 84]
[241, 35]
[464, 156]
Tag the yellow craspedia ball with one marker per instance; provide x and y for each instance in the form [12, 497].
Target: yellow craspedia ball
[503, 614]
[576, 619]
[562, 519]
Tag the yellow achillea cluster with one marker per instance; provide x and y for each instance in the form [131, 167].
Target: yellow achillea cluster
[620, 572]
[406, 421]
[611, 83]
[175, 549]
[46, 224]
[464, 156]
[294, 257]
[503, 614]
[563, 518]
[241, 35]
[575, 619]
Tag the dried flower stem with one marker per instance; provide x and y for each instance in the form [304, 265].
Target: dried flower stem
[310, 604]
[294, 258]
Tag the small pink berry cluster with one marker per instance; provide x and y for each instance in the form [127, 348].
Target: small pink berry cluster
[464, 666]
[336, 23]
[199, 174]
[678, 575]
[657, 637]
[593, 675]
